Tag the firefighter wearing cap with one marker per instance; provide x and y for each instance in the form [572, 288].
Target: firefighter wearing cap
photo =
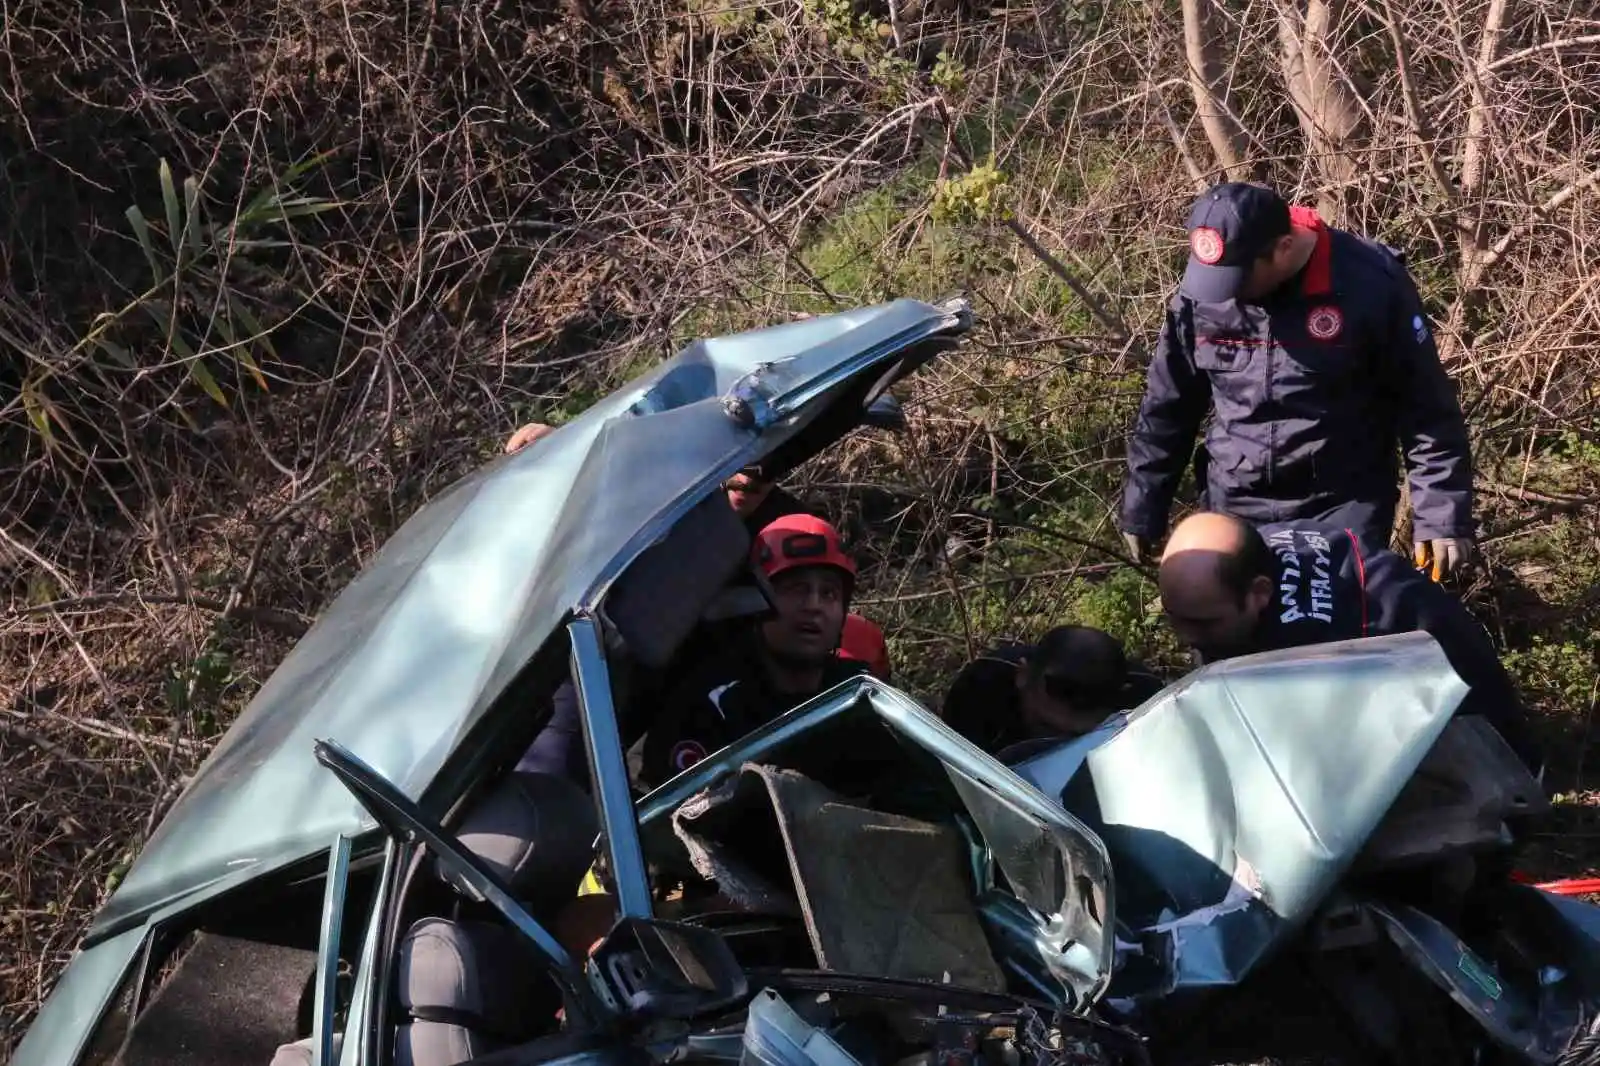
[792, 656]
[1311, 348]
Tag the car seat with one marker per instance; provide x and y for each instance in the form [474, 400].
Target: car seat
[470, 986]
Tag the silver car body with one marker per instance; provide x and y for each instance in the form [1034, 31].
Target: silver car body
[413, 652]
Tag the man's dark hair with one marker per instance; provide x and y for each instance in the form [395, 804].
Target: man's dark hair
[1254, 559]
[1079, 661]
[1271, 222]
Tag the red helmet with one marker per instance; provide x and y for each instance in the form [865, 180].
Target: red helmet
[863, 641]
[797, 540]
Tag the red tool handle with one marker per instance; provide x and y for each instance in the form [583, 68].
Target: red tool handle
[1571, 886]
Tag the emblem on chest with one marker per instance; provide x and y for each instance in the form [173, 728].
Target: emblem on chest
[1324, 323]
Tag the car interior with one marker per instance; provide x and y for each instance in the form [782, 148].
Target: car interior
[235, 979]
[464, 984]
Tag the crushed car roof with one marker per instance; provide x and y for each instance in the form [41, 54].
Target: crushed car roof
[416, 648]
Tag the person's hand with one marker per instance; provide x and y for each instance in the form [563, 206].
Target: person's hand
[1443, 557]
[1138, 547]
[527, 435]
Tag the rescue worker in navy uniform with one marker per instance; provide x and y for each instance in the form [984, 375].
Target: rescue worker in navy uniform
[791, 656]
[1311, 346]
[1016, 698]
[1230, 589]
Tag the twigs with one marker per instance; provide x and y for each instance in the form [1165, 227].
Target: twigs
[286, 622]
[49, 748]
[1421, 128]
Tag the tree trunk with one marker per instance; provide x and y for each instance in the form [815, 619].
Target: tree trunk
[1328, 106]
[1208, 81]
[1475, 257]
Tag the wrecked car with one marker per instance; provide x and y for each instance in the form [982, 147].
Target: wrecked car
[358, 875]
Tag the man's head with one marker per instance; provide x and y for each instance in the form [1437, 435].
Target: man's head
[812, 579]
[1216, 579]
[1071, 679]
[748, 489]
[1241, 244]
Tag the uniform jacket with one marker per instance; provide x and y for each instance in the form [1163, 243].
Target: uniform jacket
[727, 697]
[1314, 392]
[1332, 587]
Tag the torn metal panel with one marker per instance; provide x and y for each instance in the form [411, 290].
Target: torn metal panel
[1232, 802]
[1053, 926]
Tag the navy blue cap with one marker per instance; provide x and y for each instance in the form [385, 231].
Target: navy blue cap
[1230, 226]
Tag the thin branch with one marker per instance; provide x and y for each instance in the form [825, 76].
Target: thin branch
[287, 622]
[1540, 211]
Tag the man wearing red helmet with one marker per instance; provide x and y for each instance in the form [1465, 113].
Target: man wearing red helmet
[792, 655]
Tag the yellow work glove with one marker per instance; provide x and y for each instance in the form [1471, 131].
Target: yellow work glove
[1443, 557]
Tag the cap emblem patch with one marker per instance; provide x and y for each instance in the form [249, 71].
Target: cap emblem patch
[1206, 244]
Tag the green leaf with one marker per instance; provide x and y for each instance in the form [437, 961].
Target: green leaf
[301, 207]
[172, 333]
[223, 324]
[255, 211]
[235, 310]
[305, 167]
[169, 196]
[255, 244]
[255, 371]
[38, 413]
[141, 230]
[117, 353]
[251, 323]
[202, 376]
[191, 222]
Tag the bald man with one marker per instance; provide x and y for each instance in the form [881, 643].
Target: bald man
[1229, 589]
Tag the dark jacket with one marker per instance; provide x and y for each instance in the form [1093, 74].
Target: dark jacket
[1331, 587]
[719, 702]
[1313, 391]
[984, 706]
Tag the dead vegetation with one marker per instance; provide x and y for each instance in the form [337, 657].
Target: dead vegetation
[271, 275]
